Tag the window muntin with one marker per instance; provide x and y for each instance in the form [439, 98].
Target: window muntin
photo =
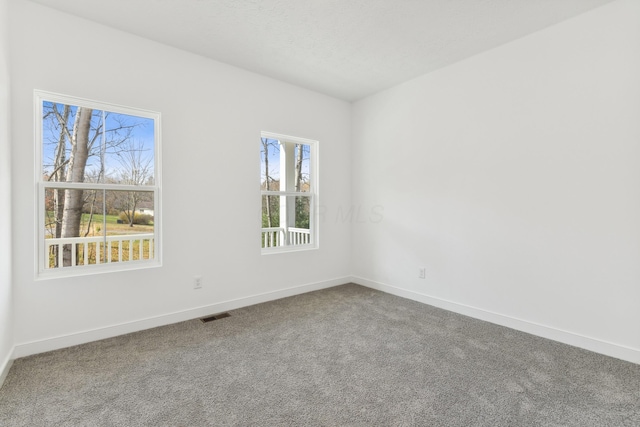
[288, 175]
[97, 167]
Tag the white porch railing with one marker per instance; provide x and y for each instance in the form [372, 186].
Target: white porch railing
[273, 237]
[299, 236]
[93, 251]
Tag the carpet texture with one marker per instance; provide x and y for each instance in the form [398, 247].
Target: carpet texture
[345, 356]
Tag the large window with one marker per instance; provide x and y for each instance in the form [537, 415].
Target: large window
[288, 187]
[98, 190]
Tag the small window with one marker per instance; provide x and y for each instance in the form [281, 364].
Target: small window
[98, 186]
[289, 195]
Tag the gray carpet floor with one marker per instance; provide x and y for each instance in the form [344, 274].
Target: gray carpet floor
[345, 356]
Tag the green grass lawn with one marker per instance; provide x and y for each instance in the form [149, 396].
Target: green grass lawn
[98, 219]
[113, 228]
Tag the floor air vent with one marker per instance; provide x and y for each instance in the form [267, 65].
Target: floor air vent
[214, 317]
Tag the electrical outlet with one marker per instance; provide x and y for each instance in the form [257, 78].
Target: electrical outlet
[197, 282]
[422, 273]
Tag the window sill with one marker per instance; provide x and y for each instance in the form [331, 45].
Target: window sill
[64, 272]
[288, 249]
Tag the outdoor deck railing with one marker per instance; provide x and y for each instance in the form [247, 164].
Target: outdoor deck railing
[128, 247]
[273, 237]
[92, 250]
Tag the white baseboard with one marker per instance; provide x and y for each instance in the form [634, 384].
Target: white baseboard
[55, 343]
[5, 366]
[610, 349]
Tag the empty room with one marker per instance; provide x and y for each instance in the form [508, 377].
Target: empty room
[319, 212]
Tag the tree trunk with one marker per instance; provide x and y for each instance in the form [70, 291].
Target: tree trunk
[265, 144]
[59, 175]
[298, 181]
[93, 204]
[134, 203]
[73, 199]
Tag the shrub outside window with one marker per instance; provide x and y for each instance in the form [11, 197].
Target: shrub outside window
[98, 192]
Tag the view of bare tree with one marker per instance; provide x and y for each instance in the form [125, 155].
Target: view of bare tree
[136, 168]
[76, 135]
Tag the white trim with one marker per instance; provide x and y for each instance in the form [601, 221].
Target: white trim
[592, 344]
[287, 193]
[290, 248]
[287, 138]
[83, 270]
[43, 95]
[62, 341]
[98, 186]
[6, 366]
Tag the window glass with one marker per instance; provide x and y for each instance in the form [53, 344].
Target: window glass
[287, 183]
[99, 193]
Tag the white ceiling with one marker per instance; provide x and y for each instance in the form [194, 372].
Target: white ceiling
[344, 48]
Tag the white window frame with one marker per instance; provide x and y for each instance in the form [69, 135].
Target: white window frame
[312, 194]
[41, 272]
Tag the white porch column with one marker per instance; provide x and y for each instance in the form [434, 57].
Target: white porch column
[287, 183]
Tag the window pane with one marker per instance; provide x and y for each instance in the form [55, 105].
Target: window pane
[270, 211]
[122, 232]
[62, 124]
[129, 225]
[302, 212]
[269, 164]
[81, 144]
[298, 210]
[128, 149]
[53, 203]
[285, 221]
[71, 234]
[273, 235]
[302, 175]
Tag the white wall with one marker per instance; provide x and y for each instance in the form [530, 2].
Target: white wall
[212, 115]
[6, 323]
[514, 178]
[511, 176]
